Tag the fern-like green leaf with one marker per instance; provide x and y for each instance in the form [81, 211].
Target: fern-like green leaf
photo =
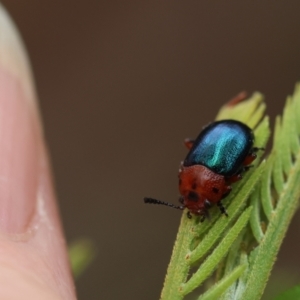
[242, 248]
[281, 196]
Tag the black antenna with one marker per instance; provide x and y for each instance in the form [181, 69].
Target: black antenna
[155, 201]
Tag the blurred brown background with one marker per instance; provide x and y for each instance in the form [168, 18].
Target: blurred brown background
[121, 84]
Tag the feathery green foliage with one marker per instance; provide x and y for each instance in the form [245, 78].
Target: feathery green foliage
[240, 250]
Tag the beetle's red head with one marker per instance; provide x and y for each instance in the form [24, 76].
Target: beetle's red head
[199, 187]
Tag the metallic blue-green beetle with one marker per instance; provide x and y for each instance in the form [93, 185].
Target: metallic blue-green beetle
[217, 158]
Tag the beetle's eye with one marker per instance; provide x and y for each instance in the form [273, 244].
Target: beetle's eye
[215, 190]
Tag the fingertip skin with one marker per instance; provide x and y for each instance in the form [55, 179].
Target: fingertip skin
[33, 256]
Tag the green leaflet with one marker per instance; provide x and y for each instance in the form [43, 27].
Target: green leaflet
[242, 248]
[291, 294]
[81, 253]
[222, 285]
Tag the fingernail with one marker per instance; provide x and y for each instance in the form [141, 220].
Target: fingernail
[19, 133]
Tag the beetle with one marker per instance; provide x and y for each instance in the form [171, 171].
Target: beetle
[218, 157]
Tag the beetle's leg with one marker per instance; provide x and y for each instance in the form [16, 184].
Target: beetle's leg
[189, 143]
[222, 209]
[180, 168]
[228, 188]
[204, 215]
[256, 149]
[247, 168]
[234, 178]
[251, 156]
[238, 176]
[237, 99]
[204, 212]
[207, 204]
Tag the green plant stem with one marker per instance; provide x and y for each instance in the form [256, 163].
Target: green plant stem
[178, 268]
